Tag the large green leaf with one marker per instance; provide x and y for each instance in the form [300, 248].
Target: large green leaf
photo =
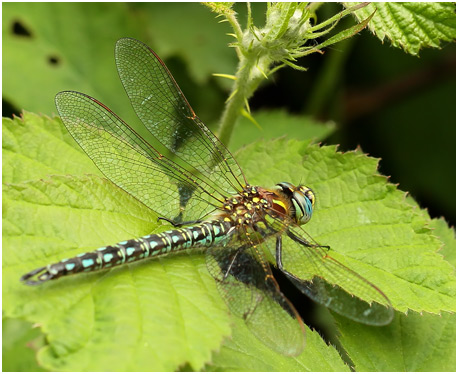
[162, 314]
[48, 60]
[151, 316]
[385, 238]
[447, 236]
[366, 221]
[411, 25]
[36, 146]
[410, 343]
[18, 346]
[246, 353]
[50, 56]
[203, 48]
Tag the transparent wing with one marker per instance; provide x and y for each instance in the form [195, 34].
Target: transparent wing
[328, 282]
[165, 112]
[133, 164]
[246, 284]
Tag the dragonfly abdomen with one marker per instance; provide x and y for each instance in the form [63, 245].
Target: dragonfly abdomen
[202, 235]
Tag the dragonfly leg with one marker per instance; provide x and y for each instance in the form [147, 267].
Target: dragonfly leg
[232, 263]
[278, 249]
[278, 258]
[278, 255]
[174, 224]
[278, 246]
[306, 243]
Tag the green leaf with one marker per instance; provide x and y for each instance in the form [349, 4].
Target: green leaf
[203, 49]
[35, 146]
[246, 353]
[411, 25]
[83, 59]
[345, 34]
[55, 57]
[366, 221]
[447, 236]
[162, 314]
[443, 232]
[411, 343]
[148, 316]
[19, 345]
[277, 123]
[278, 19]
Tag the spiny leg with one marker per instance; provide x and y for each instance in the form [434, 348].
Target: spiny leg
[232, 262]
[279, 247]
[305, 242]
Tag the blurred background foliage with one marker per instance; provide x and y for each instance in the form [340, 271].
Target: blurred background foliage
[393, 105]
[360, 93]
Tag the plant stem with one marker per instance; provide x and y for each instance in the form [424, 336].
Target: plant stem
[235, 103]
[247, 80]
[282, 40]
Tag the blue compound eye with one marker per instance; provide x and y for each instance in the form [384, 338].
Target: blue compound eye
[304, 201]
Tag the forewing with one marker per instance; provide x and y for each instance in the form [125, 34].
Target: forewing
[130, 162]
[165, 112]
[328, 282]
[249, 289]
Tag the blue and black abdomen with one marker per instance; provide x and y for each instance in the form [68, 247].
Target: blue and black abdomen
[202, 235]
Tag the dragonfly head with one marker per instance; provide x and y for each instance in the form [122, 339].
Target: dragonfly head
[302, 199]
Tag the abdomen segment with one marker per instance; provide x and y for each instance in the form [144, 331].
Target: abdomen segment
[202, 235]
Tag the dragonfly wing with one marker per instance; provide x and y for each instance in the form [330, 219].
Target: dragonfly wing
[328, 282]
[131, 163]
[165, 112]
[249, 289]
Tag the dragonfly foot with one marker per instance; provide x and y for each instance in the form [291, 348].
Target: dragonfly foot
[167, 220]
[174, 224]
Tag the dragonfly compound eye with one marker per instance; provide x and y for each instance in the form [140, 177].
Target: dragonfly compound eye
[304, 201]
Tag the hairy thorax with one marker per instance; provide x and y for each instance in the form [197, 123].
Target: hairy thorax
[254, 205]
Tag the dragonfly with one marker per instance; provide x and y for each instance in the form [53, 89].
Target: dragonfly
[182, 171]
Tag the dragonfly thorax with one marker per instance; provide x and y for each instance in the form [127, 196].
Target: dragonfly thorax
[247, 207]
[285, 201]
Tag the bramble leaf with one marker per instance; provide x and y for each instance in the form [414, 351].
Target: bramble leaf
[411, 343]
[32, 146]
[243, 352]
[19, 343]
[157, 305]
[369, 225]
[152, 315]
[411, 25]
